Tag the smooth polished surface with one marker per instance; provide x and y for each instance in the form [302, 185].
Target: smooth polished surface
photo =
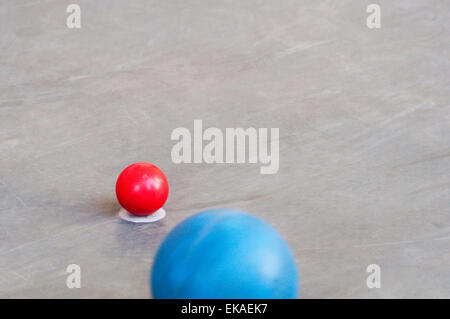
[363, 116]
[224, 254]
[142, 189]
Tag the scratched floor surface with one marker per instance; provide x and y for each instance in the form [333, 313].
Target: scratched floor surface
[364, 122]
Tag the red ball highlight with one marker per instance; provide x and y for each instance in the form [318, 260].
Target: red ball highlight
[142, 189]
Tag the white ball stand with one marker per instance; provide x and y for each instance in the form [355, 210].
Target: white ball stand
[158, 215]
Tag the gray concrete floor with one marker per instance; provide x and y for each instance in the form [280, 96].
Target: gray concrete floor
[364, 123]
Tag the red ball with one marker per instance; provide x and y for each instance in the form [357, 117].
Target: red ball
[142, 189]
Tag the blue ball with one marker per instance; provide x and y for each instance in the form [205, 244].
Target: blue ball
[225, 254]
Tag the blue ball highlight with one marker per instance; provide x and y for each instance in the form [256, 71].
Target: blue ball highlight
[224, 254]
